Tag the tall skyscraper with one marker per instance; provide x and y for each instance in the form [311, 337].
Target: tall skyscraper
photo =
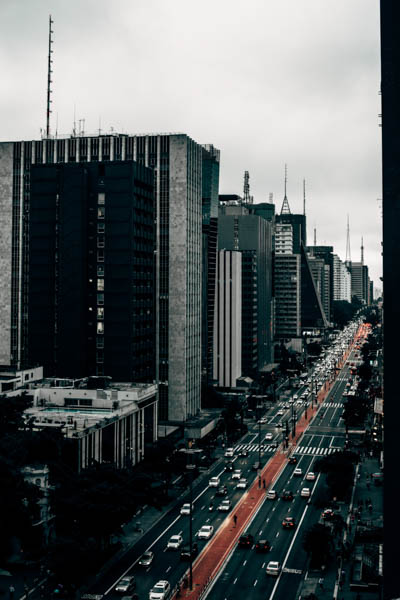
[252, 235]
[228, 319]
[91, 302]
[177, 163]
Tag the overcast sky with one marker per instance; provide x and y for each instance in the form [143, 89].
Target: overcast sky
[268, 82]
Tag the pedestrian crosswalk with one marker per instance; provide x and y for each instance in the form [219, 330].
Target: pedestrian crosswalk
[305, 450]
[333, 404]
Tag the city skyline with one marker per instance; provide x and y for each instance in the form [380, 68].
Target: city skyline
[291, 84]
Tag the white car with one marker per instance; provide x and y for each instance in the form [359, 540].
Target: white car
[268, 436]
[229, 453]
[305, 493]
[185, 510]
[224, 506]
[273, 568]
[160, 591]
[205, 532]
[262, 421]
[242, 484]
[237, 473]
[271, 495]
[214, 482]
[297, 471]
[175, 542]
[310, 476]
[279, 413]
[295, 397]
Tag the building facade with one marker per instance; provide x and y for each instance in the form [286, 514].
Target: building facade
[287, 295]
[341, 280]
[91, 300]
[177, 164]
[227, 356]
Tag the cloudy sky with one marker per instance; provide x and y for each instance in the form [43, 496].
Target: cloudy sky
[267, 82]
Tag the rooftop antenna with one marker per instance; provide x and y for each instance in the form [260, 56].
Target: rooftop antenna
[99, 125]
[315, 236]
[285, 210]
[247, 199]
[271, 198]
[49, 80]
[304, 197]
[74, 128]
[348, 253]
[362, 251]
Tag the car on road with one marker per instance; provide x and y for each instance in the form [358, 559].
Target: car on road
[146, 559]
[229, 467]
[214, 482]
[262, 546]
[271, 495]
[205, 532]
[268, 436]
[273, 568]
[160, 591]
[328, 514]
[246, 540]
[297, 472]
[287, 495]
[237, 473]
[288, 523]
[262, 421]
[279, 413]
[126, 584]
[175, 542]
[243, 452]
[225, 506]
[221, 491]
[279, 424]
[305, 493]
[295, 397]
[255, 466]
[310, 476]
[185, 510]
[241, 484]
[229, 453]
[185, 551]
[292, 460]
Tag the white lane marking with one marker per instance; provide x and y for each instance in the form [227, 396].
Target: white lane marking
[234, 581]
[277, 534]
[255, 583]
[244, 562]
[169, 568]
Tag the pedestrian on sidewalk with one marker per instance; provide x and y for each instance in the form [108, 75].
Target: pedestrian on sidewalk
[264, 486]
[321, 583]
[235, 519]
[11, 591]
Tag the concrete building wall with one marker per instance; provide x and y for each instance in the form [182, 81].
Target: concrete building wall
[6, 233]
[228, 319]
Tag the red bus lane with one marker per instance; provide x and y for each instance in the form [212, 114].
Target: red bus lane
[209, 563]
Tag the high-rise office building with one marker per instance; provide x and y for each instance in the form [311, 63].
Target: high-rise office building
[91, 303]
[326, 254]
[287, 287]
[252, 235]
[177, 163]
[228, 319]
[210, 183]
[341, 280]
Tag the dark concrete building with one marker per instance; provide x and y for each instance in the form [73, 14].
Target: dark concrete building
[252, 235]
[210, 184]
[91, 296]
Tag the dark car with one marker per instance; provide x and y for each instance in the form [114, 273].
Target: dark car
[221, 491]
[246, 540]
[328, 514]
[288, 523]
[229, 466]
[292, 460]
[287, 495]
[263, 546]
[243, 453]
[185, 552]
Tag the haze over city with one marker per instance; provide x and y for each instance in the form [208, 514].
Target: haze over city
[267, 83]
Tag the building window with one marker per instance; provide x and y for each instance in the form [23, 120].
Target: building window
[100, 240]
[100, 327]
[100, 255]
[100, 356]
[100, 285]
[100, 227]
[101, 198]
[101, 212]
[100, 299]
[100, 342]
[100, 313]
[100, 271]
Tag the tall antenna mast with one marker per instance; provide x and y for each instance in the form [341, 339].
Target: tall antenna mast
[362, 251]
[315, 236]
[348, 253]
[285, 210]
[247, 199]
[49, 81]
[271, 198]
[304, 197]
